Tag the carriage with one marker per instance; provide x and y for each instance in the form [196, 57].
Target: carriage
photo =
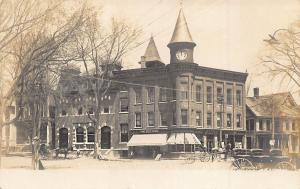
[255, 159]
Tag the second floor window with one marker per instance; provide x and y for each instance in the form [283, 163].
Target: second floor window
[174, 122]
[138, 96]
[150, 91]
[219, 95]
[198, 93]
[229, 120]
[198, 119]
[63, 112]
[106, 110]
[268, 123]
[287, 125]
[138, 120]
[293, 126]
[163, 94]
[124, 105]
[184, 116]
[184, 91]
[150, 119]
[208, 120]
[238, 98]
[260, 125]
[238, 120]
[209, 94]
[219, 119]
[229, 96]
[163, 119]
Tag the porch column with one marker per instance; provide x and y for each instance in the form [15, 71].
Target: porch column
[244, 141]
[215, 141]
[205, 141]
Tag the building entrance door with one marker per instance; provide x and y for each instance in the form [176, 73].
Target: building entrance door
[105, 137]
[63, 138]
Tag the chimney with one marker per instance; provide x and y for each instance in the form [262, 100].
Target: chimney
[143, 62]
[256, 92]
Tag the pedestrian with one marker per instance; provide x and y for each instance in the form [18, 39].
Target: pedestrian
[227, 148]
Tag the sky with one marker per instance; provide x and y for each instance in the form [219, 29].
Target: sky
[229, 33]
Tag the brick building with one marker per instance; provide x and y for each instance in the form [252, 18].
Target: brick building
[161, 107]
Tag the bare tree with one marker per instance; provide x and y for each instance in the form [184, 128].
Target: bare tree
[37, 57]
[100, 51]
[282, 54]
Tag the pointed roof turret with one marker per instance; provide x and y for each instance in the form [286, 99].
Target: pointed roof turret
[181, 32]
[151, 57]
[151, 53]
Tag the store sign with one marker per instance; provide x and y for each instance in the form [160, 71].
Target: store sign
[272, 142]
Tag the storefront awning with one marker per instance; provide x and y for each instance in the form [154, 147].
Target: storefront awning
[148, 140]
[183, 138]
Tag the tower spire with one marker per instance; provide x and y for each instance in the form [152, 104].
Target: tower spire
[181, 32]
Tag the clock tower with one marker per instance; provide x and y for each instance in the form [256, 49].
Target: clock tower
[181, 45]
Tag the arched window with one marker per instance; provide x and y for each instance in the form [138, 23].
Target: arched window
[79, 134]
[91, 134]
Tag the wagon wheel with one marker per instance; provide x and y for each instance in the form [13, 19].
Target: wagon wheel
[190, 160]
[285, 165]
[204, 157]
[242, 163]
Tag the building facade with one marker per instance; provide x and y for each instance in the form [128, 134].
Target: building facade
[262, 112]
[161, 107]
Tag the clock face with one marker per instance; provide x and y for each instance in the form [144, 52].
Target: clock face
[181, 54]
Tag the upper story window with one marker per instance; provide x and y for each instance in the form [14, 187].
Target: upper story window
[174, 92]
[238, 97]
[124, 104]
[198, 93]
[150, 92]
[229, 96]
[184, 117]
[238, 120]
[150, 119]
[198, 119]
[163, 119]
[209, 94]
[138, 119]
[277, 125]
[219, 95]
[184, 91]
[268, 125]
[163, 95]
[293, 126]
[287, 125]
[208, 119]
[229, 120]
[219, 119]
[260, 125]
[138, 96]
[174, 121]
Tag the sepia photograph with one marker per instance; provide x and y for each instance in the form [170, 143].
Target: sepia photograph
[161, 94]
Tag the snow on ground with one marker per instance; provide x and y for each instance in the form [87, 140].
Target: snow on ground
[87, 173]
